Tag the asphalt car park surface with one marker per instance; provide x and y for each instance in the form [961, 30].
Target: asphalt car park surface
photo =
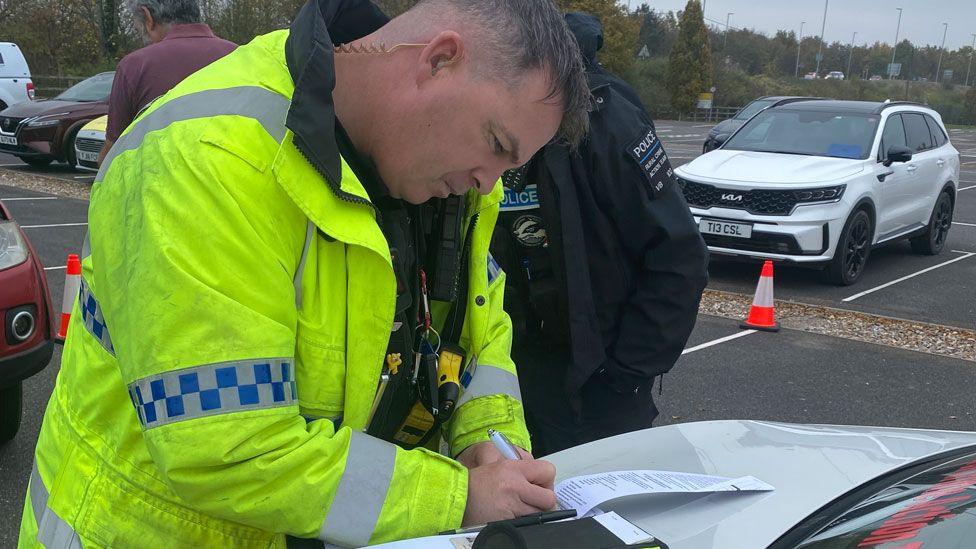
[58, 170]
[725, 373]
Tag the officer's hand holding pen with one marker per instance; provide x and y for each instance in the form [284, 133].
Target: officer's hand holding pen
[505, 488]
[484, 453]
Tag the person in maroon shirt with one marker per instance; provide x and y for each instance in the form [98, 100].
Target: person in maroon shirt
[179, 45]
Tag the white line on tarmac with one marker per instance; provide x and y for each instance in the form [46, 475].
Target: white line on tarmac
[55, 268]
[84, 176]
[718, 341]
[29, 198]
[703, 126]
[12, 165]
[904, 278]
[56, 225]
[967, 188]
[964, 224]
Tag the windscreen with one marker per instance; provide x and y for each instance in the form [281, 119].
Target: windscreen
[96, 88]
[753, 108]
[810, 133]
[936, 508]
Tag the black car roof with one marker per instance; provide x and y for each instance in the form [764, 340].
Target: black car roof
[834, 105]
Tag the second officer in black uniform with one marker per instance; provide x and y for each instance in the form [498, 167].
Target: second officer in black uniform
[605, 268]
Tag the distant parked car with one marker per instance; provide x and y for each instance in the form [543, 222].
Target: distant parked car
[16, 85]
[26, 328]
[823, 182]
[89, 142]
[875, 78]
[725, 128]
[810, 76]
[39, 132]
[835, 75]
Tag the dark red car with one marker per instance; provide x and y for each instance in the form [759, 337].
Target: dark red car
[26, 326]
[39, 132]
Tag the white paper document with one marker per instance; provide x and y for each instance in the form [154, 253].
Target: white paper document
[585, 492]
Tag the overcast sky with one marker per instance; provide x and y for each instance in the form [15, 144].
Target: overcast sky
[873, 20]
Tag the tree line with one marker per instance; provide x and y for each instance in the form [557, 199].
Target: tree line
[81, 37]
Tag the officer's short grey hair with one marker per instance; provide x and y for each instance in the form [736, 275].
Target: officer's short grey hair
[173, 12]
[527, 35]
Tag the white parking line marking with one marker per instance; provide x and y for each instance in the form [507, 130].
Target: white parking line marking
[964, 224]
[967, 188]
[12, 165]
[29, 198]
[718, 341]
[664, 131]
[703, 126]
[84, 176]
[49, 226]
[904, 278]
[55, 268]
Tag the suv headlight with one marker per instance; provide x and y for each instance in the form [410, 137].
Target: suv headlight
[822, 194]
[13, 249]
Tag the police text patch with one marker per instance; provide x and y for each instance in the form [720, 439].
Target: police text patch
[649, 154]
[526, 199]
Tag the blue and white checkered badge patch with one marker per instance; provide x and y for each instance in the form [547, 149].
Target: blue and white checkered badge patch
[494, 269]
[213, 389]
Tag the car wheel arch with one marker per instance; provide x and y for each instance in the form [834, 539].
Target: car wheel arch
[868, 206]
[70, 133]
[950, 189]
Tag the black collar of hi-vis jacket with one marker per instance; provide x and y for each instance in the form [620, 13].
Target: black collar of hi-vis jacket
[318, 27]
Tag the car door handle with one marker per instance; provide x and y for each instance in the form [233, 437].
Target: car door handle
[911, 167]
[941, 162]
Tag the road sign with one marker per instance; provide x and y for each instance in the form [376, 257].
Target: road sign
[894, 69]
[705, 100]
[644, 53]
[819, 57]
[947, 75]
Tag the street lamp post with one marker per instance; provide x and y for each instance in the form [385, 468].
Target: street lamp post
[728, 18]
[971, 50]
[895, 47]
[850, 55]
[799, 41]
[945, 31]
[822, 27]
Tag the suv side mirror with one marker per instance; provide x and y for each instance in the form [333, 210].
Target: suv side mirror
[897, 153]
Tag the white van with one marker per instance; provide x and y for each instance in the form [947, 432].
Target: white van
[16, 85]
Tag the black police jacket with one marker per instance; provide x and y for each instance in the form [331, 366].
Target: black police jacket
[633, 264]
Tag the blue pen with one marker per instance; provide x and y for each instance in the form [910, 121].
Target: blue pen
[504, 446]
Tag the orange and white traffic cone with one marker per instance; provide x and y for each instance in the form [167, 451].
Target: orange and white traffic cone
[762, 314]
[72, 285]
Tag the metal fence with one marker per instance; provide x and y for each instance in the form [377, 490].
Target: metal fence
[715, 114]
[49, 85]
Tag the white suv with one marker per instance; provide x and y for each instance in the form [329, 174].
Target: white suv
[16, 85]
[822, 182]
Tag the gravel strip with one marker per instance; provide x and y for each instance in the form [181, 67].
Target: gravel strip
[893, 332]
[45, 184]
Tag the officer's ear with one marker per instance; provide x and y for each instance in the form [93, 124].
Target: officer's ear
[442, 52]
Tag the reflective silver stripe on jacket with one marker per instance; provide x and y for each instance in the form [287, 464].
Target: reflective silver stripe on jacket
[267, 107]
[214, 389]
[362, 490]
[309, 235]
[52, 531]
[91, 314]
[491, 380]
